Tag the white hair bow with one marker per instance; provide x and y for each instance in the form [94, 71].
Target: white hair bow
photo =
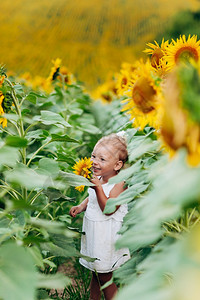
[121, 133]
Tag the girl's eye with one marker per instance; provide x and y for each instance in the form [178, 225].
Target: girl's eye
[92, 156]
[102, 159]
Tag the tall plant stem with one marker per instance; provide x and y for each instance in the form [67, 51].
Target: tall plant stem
[21, 128]
[186, 219]
[38, 150]
[17, 107]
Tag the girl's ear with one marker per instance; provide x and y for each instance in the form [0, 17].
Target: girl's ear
[118, 165]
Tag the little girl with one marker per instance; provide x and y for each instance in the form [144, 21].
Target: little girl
[101, 230]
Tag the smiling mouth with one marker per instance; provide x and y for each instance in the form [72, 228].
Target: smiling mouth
[96, 169]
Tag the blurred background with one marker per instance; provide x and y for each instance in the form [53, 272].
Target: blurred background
[92, 38]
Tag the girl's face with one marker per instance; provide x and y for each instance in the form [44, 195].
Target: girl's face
[105, 159]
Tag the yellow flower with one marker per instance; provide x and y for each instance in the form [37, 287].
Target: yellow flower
[123, 82]
[67, 76]
[129, 67]
[3, 121]
[157, 53]
[143, 103]
[54, 70]
[182, 50]
[2, 79]
[82, 168]
[178, 130]
[106, 92]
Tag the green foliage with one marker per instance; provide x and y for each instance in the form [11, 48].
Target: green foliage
[45, 135]
[152, 230]
[42, 141]
[18, 274]
[81, 280]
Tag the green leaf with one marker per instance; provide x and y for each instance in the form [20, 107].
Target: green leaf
[12, 117]
[63, 138]
[74, 180]
[18, 89]
[56, 281]
[65, 250]
[49, 166]
[54, 194]
[26, 111]
[52, 226]
[52, 118]
[139, 236]
[126, 173]
[49, 263]
[19, 204]
[146, 146]
[38, 95]
[37, 256]
[30, 179]
[65, 218]
[42, 295]
[17, 273]
[16, 141]
[66, 158]
[75, 111]
[8, 156]
[125, 197]
[4, 226]
[89, 128]
[45, 105]
[31, 97]
[37, 134]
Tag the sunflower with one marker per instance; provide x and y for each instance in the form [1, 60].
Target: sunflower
[83, 168]
[178, 129]
[54, 70]
[143, 102]
[2, 77]
[106, 92]
[123, 82]
[3, 121]
[129, 67]
[193, 144]
[182, 50]
[157, 53]
[66, 75]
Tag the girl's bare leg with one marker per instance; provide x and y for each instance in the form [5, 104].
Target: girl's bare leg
[95, 293]
[111, 290]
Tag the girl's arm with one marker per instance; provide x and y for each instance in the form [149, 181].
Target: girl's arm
[101, 197]
[78, 208]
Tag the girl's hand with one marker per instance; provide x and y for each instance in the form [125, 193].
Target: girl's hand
[96, 181]
[75, 210]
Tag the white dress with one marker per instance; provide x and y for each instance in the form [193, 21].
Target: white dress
[101, 233]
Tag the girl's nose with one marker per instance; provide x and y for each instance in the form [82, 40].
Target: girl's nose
[94, 161]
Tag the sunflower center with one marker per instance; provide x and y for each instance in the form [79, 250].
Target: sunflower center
[155, 58]
[82, 173]
[143, 95]
[185, 53]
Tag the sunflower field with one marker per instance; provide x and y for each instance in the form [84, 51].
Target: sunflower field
[48, 128]
[92, 39]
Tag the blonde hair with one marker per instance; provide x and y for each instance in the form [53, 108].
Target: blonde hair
[118, 142]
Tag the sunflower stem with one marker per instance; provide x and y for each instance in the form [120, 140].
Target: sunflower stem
[186, 219]
[21, 128]
[35, 197]
[38, 150]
